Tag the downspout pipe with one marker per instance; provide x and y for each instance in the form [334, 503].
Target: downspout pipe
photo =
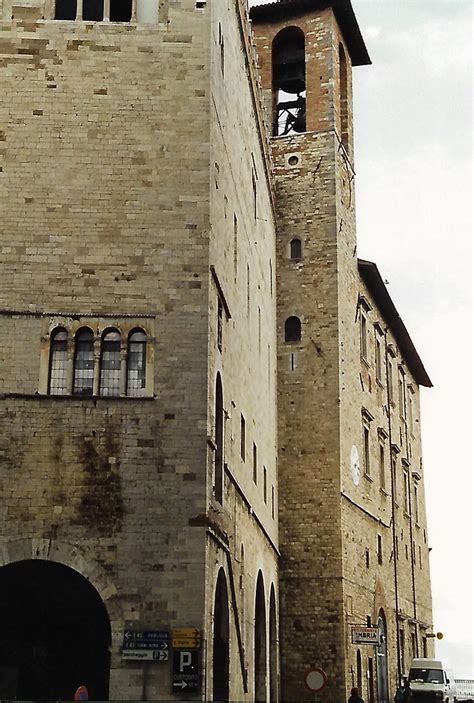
[394, 531]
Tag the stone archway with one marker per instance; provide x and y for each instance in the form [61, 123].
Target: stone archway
[220, 648]
[382, 664]
[55, 633]
[260, 642]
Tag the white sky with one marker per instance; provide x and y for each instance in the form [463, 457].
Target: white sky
[413, 158]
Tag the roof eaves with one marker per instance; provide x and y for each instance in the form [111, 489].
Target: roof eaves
[372, 278]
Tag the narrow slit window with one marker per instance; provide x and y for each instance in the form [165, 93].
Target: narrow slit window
[58, 363]
[254, 463]
[110, 364]
[84, 363]
[136, 363]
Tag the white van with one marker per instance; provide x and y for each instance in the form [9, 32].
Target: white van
[431, 682]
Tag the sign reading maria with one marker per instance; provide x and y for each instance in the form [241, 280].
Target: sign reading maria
[362, 634]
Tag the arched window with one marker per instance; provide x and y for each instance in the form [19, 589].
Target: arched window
[219, 441]
[289, 81]
[136, 363]
[293, 329]
[343, 97]
[57, 382]
[120, 10]
[65, 10]
[110, 363]
[296, 250]
[93, 10]
[84, 362]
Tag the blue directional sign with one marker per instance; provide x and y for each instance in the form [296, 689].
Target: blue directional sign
[146, 644]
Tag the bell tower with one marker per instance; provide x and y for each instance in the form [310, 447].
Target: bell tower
[306, 51]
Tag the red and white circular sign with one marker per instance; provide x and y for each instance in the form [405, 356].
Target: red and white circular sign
[315, 679]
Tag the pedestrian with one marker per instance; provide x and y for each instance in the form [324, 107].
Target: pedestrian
[354, 697]
[403, 694]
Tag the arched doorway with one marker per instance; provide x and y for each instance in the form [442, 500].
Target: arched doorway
[273, 648]
[220, 645]
[55, 633]
[382, 664]
[260, 645]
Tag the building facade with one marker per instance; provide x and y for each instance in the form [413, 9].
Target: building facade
[210, 458]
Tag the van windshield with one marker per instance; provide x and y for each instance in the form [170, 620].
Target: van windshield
[426, 675]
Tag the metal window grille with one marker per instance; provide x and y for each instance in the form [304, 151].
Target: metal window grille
[136, 364]
[84, 363]
[110, 364]
[58, 363]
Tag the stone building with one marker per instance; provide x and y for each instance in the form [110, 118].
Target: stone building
[183, 312]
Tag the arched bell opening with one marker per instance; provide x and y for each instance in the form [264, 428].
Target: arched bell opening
[260, 643]
[55, 633]
[220, 643]
[289, 82]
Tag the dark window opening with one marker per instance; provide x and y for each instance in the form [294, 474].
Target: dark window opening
[367, 558]
[65, 10]
[136, 363]
[93, 10]
[289, 82]
[120, 10]
[254, 463]
[296, 250]
[242, 437]
[379, 549]
[110, 364]
[84, 363]
[293, 329]
[58, 384]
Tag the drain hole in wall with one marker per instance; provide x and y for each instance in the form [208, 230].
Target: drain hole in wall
[293, 160]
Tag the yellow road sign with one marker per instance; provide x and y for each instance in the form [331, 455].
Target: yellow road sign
[186, 632]
[185, 643]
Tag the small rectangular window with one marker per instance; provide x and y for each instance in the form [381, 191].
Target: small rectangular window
[363, 337]
[220, 317]
[254, 462]
[406, 492]
[401, 394]
[367, 558]
[366, 451]
[273, 502]
[382, 467]
[379, 549]
[265, 485]
[254, 191]
[390, 381]
[416, 504]
[242, 437]
[378, 359]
